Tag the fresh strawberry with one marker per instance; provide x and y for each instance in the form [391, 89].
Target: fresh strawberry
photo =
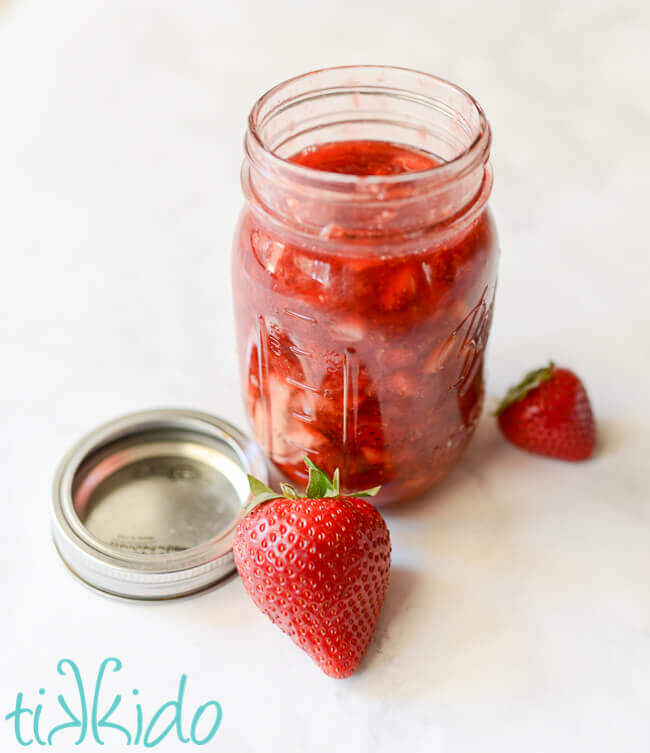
[549, 413]
[317, 566]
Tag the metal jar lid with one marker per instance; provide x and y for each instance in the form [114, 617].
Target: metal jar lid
[146, 506]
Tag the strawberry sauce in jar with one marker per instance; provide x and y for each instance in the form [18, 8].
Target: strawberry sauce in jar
[364, 272]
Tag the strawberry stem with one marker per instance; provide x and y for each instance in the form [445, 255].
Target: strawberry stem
[519, 391]
[319, 486]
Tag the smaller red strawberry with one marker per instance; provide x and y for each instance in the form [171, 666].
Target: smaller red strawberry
[317, 566]
[549, 413]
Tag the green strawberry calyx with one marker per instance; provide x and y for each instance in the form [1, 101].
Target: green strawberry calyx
[319, 486]
[519, 391]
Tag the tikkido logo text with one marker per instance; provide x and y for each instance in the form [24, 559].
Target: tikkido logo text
[84, 713]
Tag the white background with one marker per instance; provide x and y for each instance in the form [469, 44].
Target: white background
[518, 614]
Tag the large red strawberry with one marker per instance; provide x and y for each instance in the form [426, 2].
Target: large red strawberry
[317, 566]
[549, 413]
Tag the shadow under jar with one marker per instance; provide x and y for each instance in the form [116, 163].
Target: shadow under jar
[364, 272]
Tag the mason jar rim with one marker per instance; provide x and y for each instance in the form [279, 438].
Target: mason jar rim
[259, 150]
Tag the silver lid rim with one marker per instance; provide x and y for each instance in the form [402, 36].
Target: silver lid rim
[131, 574]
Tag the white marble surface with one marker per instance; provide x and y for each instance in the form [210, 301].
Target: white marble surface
[518, 614]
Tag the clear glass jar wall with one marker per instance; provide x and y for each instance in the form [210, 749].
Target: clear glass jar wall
[363, 303]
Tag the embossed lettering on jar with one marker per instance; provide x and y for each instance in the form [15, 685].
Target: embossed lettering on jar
[364, 272]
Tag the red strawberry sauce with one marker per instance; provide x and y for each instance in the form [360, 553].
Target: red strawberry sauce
[366, 354]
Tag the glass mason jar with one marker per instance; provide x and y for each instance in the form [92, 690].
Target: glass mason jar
[363, 303]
